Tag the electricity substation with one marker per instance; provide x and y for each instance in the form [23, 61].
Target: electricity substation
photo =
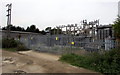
[90, 36]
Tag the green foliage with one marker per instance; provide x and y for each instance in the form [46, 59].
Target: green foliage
[32, 28]
[13, 28]
[21, 47]
[43, 32]
[48, 29]
[107, 62]
[37, 30]
[10, 49]
[12, 45]
[55, 31]
[116, 27]
[9, 43]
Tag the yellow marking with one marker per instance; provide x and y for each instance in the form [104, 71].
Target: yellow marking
[56, 38]
[72, 43]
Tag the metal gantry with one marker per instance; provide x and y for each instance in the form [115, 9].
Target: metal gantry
[84, 28]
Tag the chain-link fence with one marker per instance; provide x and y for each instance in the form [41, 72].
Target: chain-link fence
[60, 44]
[65, 44]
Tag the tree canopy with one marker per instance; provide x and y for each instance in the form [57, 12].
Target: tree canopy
[55, 31]
[34, 29]
[116, 27]
[13, 28]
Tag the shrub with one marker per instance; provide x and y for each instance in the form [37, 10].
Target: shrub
[13, 45]
[9, 43]
[21, 47]
[107, 62]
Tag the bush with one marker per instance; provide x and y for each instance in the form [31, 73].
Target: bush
[9, 43]
[21, 47]
[13, 45]
[107, 62]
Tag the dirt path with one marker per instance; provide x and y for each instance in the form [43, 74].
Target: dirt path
[35, 62]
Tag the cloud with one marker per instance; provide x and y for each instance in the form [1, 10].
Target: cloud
[45, 13]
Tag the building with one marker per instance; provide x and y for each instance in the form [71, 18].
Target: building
[105, 35]
[104, 32]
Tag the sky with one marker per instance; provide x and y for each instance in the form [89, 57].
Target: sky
[52, 13]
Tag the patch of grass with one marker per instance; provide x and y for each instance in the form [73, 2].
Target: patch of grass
[106, 62]
[10, 49]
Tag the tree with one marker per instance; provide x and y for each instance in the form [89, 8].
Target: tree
[43, 32]
[4, 28]
[27, 30]
[55, 31]
[116, 27]
[48, 29]
[19, 28]
[13, 28]
[37, 30]
[32, 28]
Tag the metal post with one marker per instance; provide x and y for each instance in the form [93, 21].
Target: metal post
[8, 19]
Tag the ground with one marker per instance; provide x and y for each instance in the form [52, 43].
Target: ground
[36, 62]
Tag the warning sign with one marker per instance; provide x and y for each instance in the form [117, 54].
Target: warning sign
[56, 38]
[72, 43]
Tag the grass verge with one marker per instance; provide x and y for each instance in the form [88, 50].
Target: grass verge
[10, 49]
[106, 62]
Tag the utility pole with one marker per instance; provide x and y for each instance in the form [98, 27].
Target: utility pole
[8, 18]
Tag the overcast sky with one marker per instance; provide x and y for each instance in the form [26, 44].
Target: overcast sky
[44, 13]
